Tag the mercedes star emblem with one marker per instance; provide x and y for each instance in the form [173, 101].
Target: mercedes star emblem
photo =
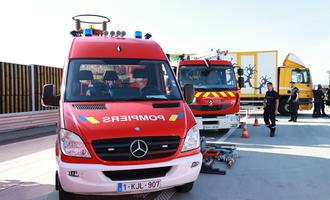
[139, 148]
[210, 103]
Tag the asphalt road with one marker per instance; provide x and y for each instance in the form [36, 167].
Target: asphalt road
[293, 165]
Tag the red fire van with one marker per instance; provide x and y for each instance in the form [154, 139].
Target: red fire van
[124, 126]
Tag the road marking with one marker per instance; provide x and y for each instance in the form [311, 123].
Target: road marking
[227, 135]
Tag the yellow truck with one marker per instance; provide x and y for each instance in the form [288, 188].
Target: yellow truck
[261, 67]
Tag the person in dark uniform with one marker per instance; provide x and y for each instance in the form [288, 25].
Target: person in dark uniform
[293, 102]
[318, 102]
[323, 101]
[271, 103]
[328, 96]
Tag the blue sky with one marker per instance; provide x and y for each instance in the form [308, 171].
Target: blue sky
[37, 31]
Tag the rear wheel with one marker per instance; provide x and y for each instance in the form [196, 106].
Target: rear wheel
[185, 188]
[284, 107]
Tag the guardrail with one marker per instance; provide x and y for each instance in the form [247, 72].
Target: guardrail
[16, 121]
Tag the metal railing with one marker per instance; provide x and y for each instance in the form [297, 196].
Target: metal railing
[17, 121]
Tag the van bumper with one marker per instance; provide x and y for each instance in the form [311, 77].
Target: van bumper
[92, 181]
[219, 122]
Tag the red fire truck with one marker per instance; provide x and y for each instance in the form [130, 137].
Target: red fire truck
[217, 99]
[124, 126]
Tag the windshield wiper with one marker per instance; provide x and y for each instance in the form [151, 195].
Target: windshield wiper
[160, 97]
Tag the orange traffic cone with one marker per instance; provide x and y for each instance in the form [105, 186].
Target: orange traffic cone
[256, 122]
[245, 133]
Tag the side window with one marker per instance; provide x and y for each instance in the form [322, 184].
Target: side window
[167, 82]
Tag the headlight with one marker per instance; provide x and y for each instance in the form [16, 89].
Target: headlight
[72, 145]
[192, 140]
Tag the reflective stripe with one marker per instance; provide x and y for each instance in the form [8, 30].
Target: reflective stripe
[301, 89]
[198, 94]
[231, 94]
[223, 94]
[206, 94]
[215, 94]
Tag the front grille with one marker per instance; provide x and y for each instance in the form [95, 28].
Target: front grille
[210, 108]
[138, 174]
[119, 149]
[89, 106]
[210, 122]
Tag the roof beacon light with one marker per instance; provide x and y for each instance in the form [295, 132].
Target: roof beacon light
[88, 32]
[138, 34]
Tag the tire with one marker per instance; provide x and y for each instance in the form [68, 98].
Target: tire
[63, 195]
[185, 188]
[284, 107]
[223, 131]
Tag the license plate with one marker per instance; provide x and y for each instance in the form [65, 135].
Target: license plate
[138, 186]
[210, 127]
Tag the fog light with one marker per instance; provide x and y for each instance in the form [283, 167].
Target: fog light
[194, 164]
[73, 173]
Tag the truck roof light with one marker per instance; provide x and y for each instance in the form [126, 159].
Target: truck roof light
[112, 33]
[123, 33]
[88, 32]
[138, 34]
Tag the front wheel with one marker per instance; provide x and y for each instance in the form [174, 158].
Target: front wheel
[63, 195]
[284, 107]
[185, 188]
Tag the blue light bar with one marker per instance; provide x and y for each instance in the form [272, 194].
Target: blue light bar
[138, 34]
[88, 32]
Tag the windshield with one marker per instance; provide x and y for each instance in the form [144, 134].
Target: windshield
[300, 76]
[214, 77]
[120, 80]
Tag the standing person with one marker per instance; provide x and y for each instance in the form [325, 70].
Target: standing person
[322, 106]
[271, 103]
[317, 103]
[328, 96]
[293, 102]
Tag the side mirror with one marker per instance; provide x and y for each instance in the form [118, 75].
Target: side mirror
[241, 82]
[189, 93]
[49, 98]
[240, 72]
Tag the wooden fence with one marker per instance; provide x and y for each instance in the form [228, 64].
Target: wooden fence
[21, 86]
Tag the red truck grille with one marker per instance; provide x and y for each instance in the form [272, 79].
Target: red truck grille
[119, 149]
[210, 108]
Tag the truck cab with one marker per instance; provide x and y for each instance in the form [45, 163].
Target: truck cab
[217, 99]
[124, 126]
[295, 70]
